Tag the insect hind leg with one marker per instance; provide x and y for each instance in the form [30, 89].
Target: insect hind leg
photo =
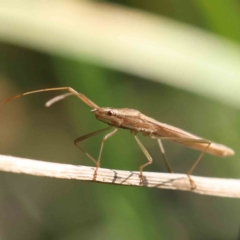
[208, 143]
[164, 156]
[193, 185]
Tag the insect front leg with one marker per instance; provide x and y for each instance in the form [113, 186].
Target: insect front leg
[96, 162]
[101, 149]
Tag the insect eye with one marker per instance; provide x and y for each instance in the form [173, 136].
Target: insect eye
[110, 113]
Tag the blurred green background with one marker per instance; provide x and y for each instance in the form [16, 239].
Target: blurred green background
[44, 208]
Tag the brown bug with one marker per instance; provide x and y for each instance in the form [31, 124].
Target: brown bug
[135, 121]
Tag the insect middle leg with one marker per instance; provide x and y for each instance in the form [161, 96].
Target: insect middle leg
[149, 158]
[146, 153]
[96, 162]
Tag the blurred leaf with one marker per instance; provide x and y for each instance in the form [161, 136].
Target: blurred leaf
[128, 40]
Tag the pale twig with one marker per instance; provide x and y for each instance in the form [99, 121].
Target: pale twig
[208, 186]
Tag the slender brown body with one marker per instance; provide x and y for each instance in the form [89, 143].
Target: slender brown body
[136, 121]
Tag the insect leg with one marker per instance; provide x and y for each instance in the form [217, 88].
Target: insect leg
[146, 153]
[208, 143]
[101, 149]
[84, 151]
[196, 163]
[164, 156]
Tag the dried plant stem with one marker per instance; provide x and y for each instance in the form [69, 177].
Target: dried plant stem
[207, 186]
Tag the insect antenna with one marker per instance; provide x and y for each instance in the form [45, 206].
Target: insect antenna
[50, 102]
[71, 90]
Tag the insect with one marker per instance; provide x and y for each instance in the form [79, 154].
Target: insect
[136, 122]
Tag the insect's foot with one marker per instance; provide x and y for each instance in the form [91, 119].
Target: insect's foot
[192, 183]
[94, 177]
[95, 174]
[141, 179]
